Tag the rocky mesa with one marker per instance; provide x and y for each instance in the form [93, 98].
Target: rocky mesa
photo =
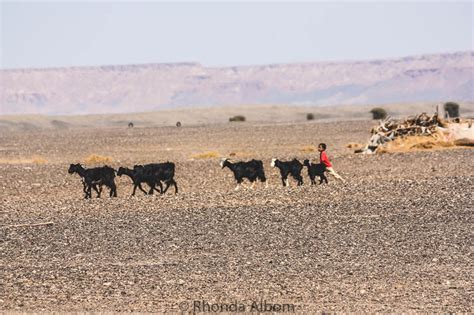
[148, 87]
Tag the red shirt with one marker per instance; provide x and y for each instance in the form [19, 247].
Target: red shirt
[324, 159]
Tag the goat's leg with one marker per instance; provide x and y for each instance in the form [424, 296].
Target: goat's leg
[85, 191]
[141, 188]
[169, 183]
[299, 179]
[96, 190]
[166, 188]
[134, 189]
[175, 186]
[89, 191]
[239, 184]
[322, 179]
[100, 190]
[152, 188]
[161, 187]
[113, 190]
[325, 179]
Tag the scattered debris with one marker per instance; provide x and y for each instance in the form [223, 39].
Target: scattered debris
[466, 142]
[419, 132]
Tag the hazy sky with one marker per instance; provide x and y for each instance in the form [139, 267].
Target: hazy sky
[36, 34]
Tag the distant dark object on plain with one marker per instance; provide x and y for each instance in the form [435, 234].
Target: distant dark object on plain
[178, 124]
[237, 118]
[130, 125]
[310, 116]
[59, 124]
[378, 113]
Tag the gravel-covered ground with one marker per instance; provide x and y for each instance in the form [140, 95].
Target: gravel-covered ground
[396, 237]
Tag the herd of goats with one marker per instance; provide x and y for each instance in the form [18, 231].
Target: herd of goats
[157, 174]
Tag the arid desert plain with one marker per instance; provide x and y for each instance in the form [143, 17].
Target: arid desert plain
[397, 237]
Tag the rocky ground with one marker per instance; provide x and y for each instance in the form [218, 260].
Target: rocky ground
[395, 238]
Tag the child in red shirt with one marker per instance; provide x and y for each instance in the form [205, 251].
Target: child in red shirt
[324, 160]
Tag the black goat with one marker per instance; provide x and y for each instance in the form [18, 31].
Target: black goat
[316, 170]
[161, 172]
[94, 186]
[84, 184]
[252, 170]
[92, 177]
[292, 168]
[138, 177]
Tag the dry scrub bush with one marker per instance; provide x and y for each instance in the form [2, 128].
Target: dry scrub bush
[308, 148]
[378, 113]
[97, 159]
[241, 154]
[206, 155]
[353, 145]
[237, 118]
[35, 159]
[451, 109]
